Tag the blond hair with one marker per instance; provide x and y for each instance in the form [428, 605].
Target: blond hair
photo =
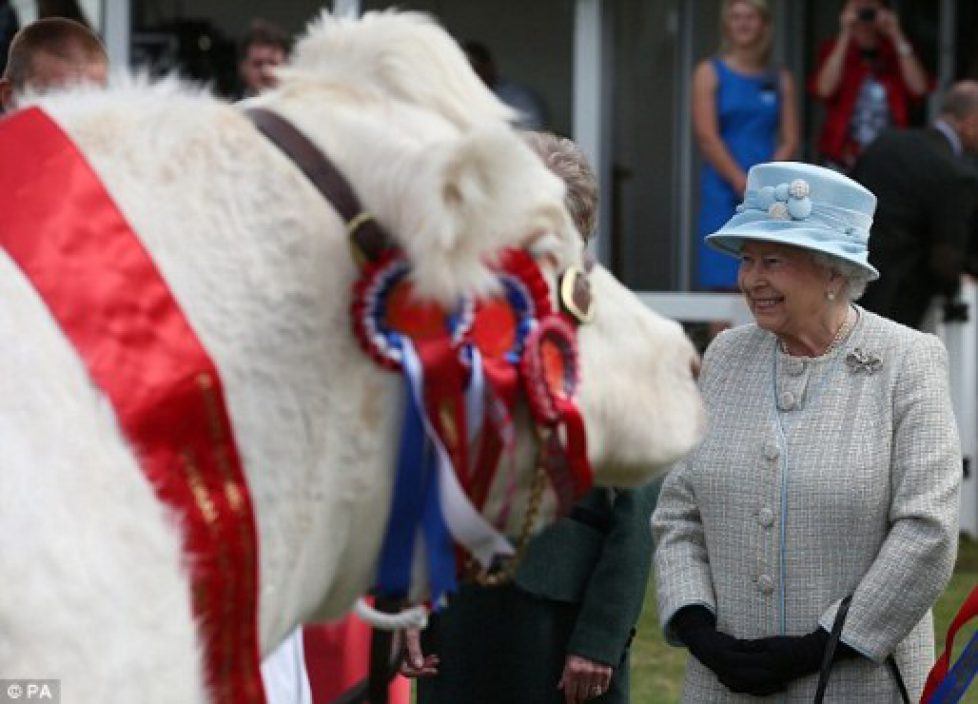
[766, 39]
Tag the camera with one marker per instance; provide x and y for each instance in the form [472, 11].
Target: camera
[867, 14]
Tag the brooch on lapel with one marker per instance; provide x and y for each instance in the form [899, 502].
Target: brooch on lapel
[859, 361]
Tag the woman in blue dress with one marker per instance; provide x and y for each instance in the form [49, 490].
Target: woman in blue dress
[744, 113]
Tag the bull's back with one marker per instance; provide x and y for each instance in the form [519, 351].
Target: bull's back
[90, 561]
[260, 266]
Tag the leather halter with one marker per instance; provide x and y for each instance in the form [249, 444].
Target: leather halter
[369, 240]
[366, 234]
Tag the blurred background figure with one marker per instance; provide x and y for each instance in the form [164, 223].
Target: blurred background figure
[263, 48]
[744, 113]
[8, 28]
[52, 53]
[927, 192]
[533, 112]
[867, 77]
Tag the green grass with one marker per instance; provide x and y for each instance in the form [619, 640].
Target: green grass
[657, 669]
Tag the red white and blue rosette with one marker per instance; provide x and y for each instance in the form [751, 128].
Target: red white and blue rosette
[385, 312]
[463, 370]
[551, 377]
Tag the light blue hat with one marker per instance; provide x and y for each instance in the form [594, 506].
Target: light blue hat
[805, 206]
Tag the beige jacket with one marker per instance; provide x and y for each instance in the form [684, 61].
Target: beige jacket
[818, 478]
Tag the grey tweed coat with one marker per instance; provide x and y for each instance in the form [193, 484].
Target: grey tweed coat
[818, 478]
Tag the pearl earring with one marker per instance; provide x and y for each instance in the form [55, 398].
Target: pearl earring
[830, 295]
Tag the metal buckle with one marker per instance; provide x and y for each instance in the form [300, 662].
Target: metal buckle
[575, 294]
[359, 255]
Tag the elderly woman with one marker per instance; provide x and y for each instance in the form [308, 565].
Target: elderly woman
[826, 492]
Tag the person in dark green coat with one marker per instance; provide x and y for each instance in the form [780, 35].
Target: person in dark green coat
[560, 632]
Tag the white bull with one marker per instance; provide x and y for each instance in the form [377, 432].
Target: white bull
[92, 586]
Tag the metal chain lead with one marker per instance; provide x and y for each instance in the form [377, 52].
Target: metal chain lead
[505, 573]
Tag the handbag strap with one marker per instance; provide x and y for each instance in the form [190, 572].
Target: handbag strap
[829, 657]
[895, 669]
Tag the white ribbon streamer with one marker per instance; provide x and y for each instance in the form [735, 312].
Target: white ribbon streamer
[412, 617]
[466, 525]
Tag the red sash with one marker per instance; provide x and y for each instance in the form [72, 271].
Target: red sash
[63, 230]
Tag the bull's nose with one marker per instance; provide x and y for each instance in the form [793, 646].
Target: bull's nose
[695, 366]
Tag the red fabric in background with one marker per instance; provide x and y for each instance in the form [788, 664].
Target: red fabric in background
[337, 659]
[833, 141]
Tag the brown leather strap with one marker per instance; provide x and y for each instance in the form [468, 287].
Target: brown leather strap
[366, 233]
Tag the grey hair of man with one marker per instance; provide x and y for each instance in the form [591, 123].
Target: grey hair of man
[856, 277]
[960, 100]
[565, 159]
[959, 110]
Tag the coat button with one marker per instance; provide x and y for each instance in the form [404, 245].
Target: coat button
[771, 451]
[765, 517]
[787, 401]
[765, 584]
[794, 367]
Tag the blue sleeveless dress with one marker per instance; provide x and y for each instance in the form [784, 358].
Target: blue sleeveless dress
[749, 114]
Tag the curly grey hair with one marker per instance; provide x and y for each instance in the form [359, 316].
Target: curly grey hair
[564, 158]
[856, 277]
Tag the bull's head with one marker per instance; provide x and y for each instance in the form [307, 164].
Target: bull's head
[466, 188]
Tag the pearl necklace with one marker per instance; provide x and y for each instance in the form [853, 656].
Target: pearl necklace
[843, 332]
[848, 323]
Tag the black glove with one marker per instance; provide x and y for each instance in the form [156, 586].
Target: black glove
[797, 656]
[738, 664]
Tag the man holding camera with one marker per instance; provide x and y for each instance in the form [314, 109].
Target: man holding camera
[867, 77]
[927, 194]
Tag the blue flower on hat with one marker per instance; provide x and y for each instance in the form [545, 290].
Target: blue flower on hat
[799, 188]
[788, 201]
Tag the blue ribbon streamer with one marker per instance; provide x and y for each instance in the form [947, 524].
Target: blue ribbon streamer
[959, 677]
[439, 546]
[415, 503]
[396, 554]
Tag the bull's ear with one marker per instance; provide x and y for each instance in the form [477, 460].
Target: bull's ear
[479, 194]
